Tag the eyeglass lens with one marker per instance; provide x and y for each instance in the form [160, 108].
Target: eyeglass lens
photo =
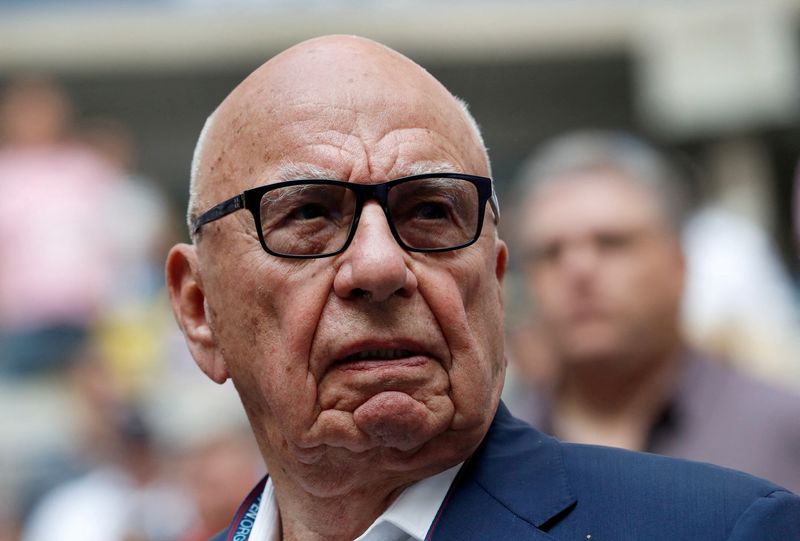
[316, 219]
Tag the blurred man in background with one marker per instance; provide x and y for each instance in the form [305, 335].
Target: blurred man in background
[600, 229]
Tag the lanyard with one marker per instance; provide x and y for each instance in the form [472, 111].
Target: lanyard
[245, 517]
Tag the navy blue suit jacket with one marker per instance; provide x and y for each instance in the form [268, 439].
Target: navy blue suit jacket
[524, 485]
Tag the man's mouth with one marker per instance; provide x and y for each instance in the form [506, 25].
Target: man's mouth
[378, 355]
[369, 357]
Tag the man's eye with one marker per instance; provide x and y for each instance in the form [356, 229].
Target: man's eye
[614, 241]
[309, 211]
[430, 211]
[547, 254]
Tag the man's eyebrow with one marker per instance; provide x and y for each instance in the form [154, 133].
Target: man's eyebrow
[295, 171]
[421, 168]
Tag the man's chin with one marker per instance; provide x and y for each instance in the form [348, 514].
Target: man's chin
[396, 420]
[338, 472]
[591, 349]
[390, 423]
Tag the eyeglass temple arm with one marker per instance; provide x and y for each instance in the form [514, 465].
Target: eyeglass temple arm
[495, 206]
[218, 211]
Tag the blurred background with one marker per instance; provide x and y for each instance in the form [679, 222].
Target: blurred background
[105, 419]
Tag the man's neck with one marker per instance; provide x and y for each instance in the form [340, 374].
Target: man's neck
[306, 517]
[615, 408]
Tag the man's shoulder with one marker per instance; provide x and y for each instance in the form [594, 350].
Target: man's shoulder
[589, 467]
[593, 467]
[691, 500]
[571, 491]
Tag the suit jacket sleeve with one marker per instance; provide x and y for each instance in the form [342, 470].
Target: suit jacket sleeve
[775, 517]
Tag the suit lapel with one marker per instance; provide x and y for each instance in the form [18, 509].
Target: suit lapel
[513, 485]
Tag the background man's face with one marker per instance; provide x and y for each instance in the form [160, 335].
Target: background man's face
[429, 333]
[605, 272]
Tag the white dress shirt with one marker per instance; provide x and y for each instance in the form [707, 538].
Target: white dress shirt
[408, 518]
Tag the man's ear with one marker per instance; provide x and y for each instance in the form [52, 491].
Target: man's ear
[188, 304]
[501, 260]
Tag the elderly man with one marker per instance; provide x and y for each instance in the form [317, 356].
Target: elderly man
[604, 266]
[360, 319]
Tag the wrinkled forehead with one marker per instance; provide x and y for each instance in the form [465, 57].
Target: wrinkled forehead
[347, 86]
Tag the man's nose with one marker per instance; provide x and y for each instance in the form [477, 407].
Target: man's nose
[579, 259]
[374, 266]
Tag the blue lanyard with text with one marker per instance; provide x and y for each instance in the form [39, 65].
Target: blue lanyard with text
[242, 523]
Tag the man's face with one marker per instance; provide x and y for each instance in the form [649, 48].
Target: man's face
[604, 269]
[376, 359]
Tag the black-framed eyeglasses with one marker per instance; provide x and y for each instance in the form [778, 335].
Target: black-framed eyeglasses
[434, 212]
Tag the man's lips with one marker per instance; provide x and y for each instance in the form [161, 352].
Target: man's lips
[367, 357]
[383, 354]
[588, 313]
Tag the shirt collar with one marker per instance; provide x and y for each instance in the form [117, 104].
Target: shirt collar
[416, 507]
[412, 512]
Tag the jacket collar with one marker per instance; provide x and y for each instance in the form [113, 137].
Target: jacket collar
[516, 473]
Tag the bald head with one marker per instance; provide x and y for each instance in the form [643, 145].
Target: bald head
[362, 86]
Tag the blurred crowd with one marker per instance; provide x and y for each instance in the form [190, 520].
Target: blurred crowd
[107, 434]
[651, 323]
